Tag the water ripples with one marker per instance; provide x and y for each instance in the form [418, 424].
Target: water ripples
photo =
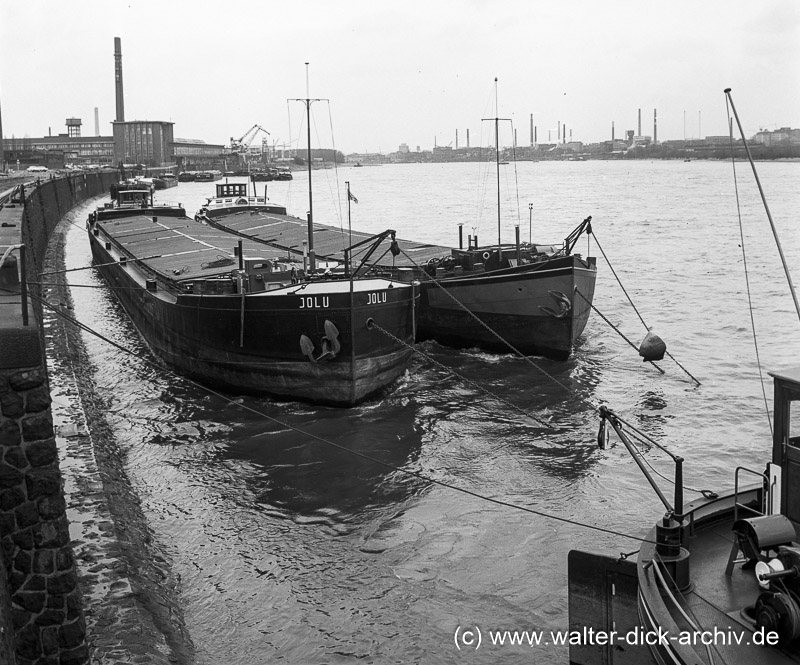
[291, 548]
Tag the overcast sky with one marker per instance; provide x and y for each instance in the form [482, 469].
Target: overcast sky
[405, 71]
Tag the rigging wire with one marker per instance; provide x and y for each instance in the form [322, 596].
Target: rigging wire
[464, 379]
[615, 328]
[507, 504]
[764, 201]
[519, 353]
[746, 273]
[586, 402]
[597, 242]
[645, 438]
[336, 177]
[516, 173]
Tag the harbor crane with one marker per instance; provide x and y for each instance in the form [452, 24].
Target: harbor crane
[242, 145]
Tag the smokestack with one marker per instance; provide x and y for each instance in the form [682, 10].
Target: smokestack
[640, 123]
[118, 79]
[655, 126]
[535, 135]
[612, 130]
[456, 138]
[468, 137]
[533, 139]
[96, 122]
[565, 133]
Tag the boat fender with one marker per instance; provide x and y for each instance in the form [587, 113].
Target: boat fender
[602, 435]
[307, 347]
[486, 256]
[652, 347]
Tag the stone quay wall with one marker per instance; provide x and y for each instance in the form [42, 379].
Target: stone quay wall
[41, 614]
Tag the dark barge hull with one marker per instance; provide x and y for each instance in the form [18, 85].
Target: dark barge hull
[252, 343]
[523, 305]
[534, 307]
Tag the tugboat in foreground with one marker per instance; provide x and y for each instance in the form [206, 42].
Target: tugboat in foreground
[240, 318]
[717, 580]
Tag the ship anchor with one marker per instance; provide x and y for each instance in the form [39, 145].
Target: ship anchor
[330, 344]
[564, 304]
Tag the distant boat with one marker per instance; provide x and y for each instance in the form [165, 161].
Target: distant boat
[187, 176]
[264, 176]
[165, 181]
[131, 184]
[208, 176]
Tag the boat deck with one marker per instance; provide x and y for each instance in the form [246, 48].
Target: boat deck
[716, 602]
[179, 248]
[288, 233]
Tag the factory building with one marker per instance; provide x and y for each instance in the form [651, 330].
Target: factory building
[146, 142]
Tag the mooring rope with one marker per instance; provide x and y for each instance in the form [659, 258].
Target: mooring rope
[433, 481]
[617, 330]
[645, 438]
[614, 272]
[463, 378]
[587, 402]
[489, 328]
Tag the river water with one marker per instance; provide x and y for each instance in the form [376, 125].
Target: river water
[289, 549]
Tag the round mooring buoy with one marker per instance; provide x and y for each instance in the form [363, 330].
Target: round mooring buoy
[652, 347]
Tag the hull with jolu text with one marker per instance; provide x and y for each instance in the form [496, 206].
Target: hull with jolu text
[276, 342]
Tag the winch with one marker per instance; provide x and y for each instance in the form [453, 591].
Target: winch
[778, 608]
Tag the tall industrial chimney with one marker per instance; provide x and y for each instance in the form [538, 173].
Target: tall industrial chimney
[655, 125]
[96, 122]
[456, 138]
[468, 137]
[533, 140]
[639, 133]
[612, 131]
[118, 79]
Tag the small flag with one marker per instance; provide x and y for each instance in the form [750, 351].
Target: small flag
[351, 197]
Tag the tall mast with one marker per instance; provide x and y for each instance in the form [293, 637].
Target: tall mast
[497, 162]
[312, 262]
[497, 120]
[312, 257]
